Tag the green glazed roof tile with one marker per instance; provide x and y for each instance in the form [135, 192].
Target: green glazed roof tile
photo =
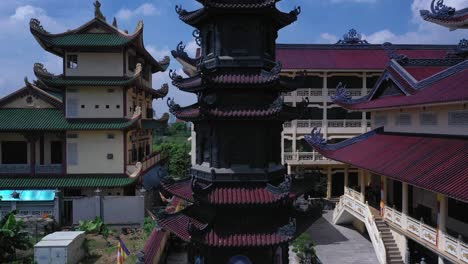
[54, 119]
[68, 181]
[88, 39]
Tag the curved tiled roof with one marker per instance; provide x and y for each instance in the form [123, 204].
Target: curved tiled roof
[51, 119]
[431, 162]
[239, 4]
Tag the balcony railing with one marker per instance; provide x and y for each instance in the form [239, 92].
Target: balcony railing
[427, 234]
[15, 168]
[135, 169]
[344, 123]
[352, 92]
[303, 156]
[49, 169]
[26, 169]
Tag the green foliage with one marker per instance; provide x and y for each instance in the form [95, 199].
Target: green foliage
[304, 248]
[179, 158]
[178, 129]
[96, 226]
[148, 226]
[12, 237]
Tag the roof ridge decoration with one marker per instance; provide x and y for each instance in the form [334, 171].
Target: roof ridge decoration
[181, 53]
[342, 94]
[288, 230]
[283, 188]
[352, 37]
[174, 76]
[438, 10]
[35, 24]
[316, 137]
[392, 53]
[461, 51]
[97, 11]
[180, 10]
[195, 231]
[172, 105]
[274, 71]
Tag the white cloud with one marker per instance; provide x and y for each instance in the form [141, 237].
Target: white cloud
[26, 12]
[145, 9]
[425, 32]
[158, 53]
[328, 38]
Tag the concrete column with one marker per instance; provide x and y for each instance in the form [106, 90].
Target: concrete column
[325, 107]
[363, 93]
[289, 169]
[362, 182]
[294, 135]
[13, 206]
[32, 148]
[282, 148]
[442, 221]
[329, 182]
[383, 193]
[346, 176]
[57, 206]
[98, 203]
[404, 204]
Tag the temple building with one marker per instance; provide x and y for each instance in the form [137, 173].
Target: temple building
[412, 193]
[241, 204]
[352, 61]
[87, 132]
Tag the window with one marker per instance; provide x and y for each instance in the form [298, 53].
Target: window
[72, 107]
[72, 61]
[110, 156]
[82, 106]
[14, 152]
[458, 118]
[117, 106]
[132, 61]
[380, 120]
[110, 90]
[428, 119]
[96, 106]
[403, 119]
[107, 106]
[56, 152]
[110, 136]
[72, 136]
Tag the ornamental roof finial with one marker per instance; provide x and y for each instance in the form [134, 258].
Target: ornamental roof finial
[342, 94]
[352, 37]
[114, 23]
[316, 137]
[97, 11]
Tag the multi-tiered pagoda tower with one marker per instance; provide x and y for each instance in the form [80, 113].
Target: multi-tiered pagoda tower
[242, 202]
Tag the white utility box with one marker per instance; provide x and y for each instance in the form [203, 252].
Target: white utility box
[60, 248]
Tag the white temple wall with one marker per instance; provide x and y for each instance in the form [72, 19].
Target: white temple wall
[21, 103]
[96, 64]
[416, 126]
[95, 102]
[88, 152]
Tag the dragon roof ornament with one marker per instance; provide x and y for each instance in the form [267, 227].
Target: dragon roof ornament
[196, 34]
[35, 24]
[342, 94]
[179, 10]
[392, 53]
[173, 107]
[316, 137]
[283, 188]
[352, 37]
[438, 10]
[289, 229]
[40, 69]
[296, 11]
[174, 76]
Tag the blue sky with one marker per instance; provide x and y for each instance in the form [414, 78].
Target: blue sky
[321, 21]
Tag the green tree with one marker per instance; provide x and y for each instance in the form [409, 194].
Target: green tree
[304, 248]
[179, 158]
[12, 237]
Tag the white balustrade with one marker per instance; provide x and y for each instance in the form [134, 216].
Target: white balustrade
[352, 201]
[303, 156]
[49, 169]
[15, 168]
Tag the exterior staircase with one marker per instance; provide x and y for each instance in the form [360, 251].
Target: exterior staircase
[392, 252]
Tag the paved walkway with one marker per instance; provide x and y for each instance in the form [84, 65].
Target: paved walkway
[337, 244]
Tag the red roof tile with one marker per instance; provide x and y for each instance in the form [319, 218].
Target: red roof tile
[153, 245]
[421, 73]
[450, 89]
[181, 189]
[373, 58]
[438, 164]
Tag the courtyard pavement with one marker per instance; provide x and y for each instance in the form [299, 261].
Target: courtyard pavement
[337, 244]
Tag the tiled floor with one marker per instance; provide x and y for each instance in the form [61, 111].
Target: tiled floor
[340, 244]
